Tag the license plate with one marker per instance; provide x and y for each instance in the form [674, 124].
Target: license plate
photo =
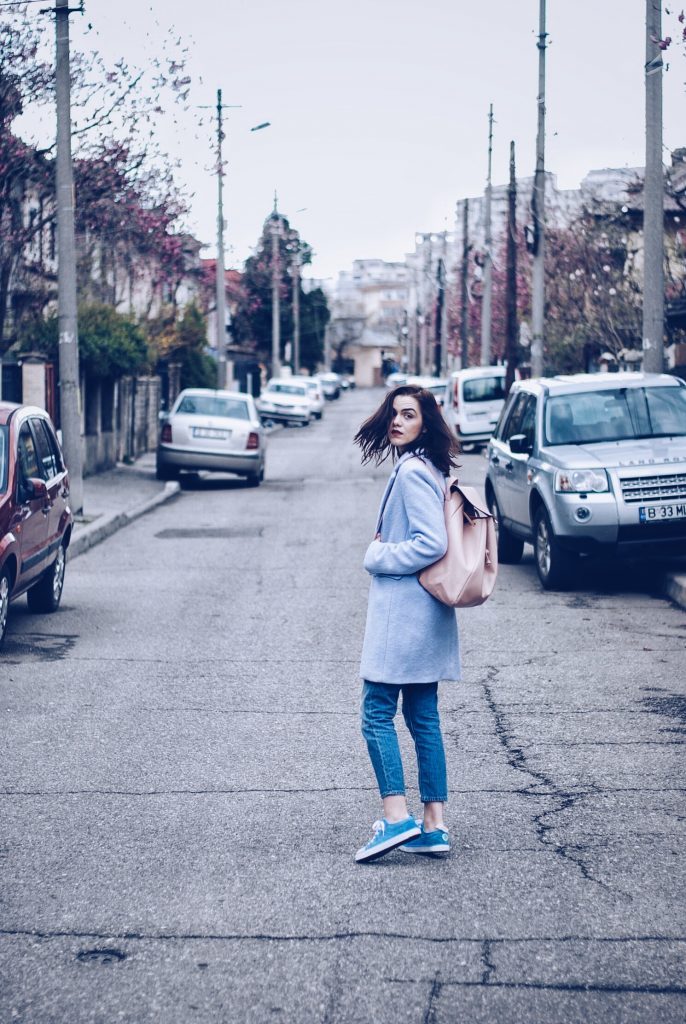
[216, 435]
[657, 513]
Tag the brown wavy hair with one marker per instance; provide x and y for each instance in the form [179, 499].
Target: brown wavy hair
[436, 441]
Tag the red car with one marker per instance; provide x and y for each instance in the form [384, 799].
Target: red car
[35, 517]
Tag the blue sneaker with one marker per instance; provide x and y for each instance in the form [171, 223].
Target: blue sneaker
[437, 841]
[387, 836]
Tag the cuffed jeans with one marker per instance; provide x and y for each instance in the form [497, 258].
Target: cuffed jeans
[420, 711]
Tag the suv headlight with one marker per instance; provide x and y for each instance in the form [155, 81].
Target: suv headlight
[581, 480]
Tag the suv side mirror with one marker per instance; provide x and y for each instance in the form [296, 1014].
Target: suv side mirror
[520, 445]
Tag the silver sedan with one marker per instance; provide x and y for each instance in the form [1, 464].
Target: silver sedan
[211, 430]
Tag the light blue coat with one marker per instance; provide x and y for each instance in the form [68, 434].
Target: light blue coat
[410, 637]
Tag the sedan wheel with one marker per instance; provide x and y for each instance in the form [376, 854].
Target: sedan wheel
[4, 602]
[554, 565]
[45, 596]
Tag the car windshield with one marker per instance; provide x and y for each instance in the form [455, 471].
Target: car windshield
[619, 414]
[213, 405]
[4, 458]
[483, 389]
[287, 389]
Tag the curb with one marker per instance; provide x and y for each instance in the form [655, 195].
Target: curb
[674, 587]
[94, 533]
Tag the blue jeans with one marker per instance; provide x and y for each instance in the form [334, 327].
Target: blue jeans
[420, 711]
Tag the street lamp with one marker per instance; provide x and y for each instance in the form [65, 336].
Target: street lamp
[220, 275]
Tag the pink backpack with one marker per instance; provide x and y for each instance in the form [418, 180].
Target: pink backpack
[465, 576]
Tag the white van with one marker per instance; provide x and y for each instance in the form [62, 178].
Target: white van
[473, 400]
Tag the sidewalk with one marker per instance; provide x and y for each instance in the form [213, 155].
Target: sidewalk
[115, 498]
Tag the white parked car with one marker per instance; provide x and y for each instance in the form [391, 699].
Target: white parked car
[436, 385]
[212, 430]
[316, 393]
[285, 400]
[473, 401]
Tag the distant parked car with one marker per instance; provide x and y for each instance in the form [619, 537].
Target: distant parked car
[285, 400]
[395, 379]
[331, 385]
[211, 430]
[436, 385]
[315, 394]
[589, 463]
[35, 516]
[473, 402]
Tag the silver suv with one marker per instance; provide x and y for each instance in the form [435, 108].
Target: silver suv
[589, 463]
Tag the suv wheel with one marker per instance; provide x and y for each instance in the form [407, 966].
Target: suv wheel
[45, 596]
[554, 565]
[4, 602]
[510, 547]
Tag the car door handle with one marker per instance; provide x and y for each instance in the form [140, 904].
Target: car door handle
[495, 460]
[509, 465]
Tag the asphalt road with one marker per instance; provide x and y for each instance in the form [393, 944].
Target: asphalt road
[183, 783]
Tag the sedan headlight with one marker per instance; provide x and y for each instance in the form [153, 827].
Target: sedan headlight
[581, 480]
[264, 405]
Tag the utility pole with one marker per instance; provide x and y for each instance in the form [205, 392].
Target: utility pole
[220, 275]
[538, 210]
[511, 338]
[486, 305]
[438, 326]
[464, 303]
[653, 210]
[70, 414]
[276, 298]
[296, 306]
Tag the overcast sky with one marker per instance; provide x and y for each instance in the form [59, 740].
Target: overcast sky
[378, 108]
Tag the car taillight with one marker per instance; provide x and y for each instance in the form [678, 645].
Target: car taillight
[166, 433]
[253, 441]
[456, 394]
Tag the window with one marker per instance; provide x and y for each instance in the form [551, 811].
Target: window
[527, 424]
[46, 447]
[4, 460]
[512, 422]
[615, 415]
[666, 410]
[27, 456]
[483, 389]
[287, 389]
[213, 405]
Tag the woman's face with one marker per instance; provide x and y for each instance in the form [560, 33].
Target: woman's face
[406, 421]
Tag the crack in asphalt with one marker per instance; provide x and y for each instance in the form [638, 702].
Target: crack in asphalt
[434, 996]
[661, 790]
[487, 961]
[572, 853]
[501, 940]
[183, 792]
[561, 986]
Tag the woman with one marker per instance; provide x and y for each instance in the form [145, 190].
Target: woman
[410, 640]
